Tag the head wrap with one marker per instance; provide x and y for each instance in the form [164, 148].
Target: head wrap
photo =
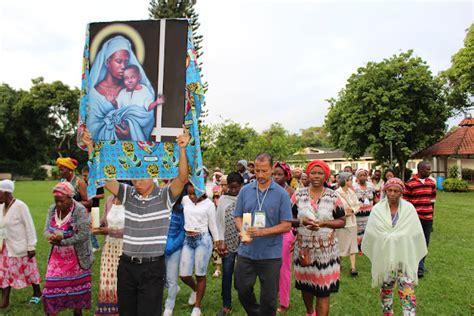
[242, 162]
[322, 165]
[69, 163]
[286, 169]
[7, 186]
[343, 177]
[99, 68]
[63, 189]
[361, 170]
[394, 182]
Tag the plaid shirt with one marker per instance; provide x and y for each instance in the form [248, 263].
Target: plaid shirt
[421, 195]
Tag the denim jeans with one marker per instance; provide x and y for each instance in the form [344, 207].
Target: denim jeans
[427, 228]
[172, 265]
[228, 263]
[195, 254]
[94, 241]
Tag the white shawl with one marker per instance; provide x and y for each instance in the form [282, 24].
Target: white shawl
[390, 249]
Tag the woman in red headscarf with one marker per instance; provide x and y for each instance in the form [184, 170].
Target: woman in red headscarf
[320, 212]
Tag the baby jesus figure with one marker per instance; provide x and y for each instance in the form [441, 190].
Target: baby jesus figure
[135, 93]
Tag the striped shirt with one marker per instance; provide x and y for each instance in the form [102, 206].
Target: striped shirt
[422, 194]
[146, 221]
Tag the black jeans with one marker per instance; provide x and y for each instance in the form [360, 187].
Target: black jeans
[268, 273]
[140, 287]
[427, 228]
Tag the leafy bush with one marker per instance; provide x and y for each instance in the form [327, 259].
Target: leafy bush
[55, 172]
[39, 173]
[453, 172]
[455, 185]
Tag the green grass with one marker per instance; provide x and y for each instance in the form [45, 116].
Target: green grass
[447, 289]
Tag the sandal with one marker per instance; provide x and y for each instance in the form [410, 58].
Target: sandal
[282, 309]
[354, 272]
[216, 274]
[34, 300]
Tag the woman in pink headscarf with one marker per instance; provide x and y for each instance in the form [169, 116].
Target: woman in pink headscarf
[317, 264]
[68, 275]
[282, 176]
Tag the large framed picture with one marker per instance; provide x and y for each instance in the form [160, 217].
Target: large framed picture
[137, 80]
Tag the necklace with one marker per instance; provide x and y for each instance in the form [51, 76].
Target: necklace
[59, 221]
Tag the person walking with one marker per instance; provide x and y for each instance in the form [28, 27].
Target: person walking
[68, 275]
[229, 236]
[420, 191]
[199, 220]
[111, 226]
[259, 256]
[18, 267]
[317, 264]
[141, 270]
[282, 176]
[394, 242]
[347, 236]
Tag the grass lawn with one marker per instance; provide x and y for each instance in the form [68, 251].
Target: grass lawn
[447, 289]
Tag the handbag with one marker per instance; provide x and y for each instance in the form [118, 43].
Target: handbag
[305, 254]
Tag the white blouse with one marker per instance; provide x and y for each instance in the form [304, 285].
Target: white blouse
[21, 233]
[200, 217]
[349, 199]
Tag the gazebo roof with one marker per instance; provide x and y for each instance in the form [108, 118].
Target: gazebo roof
[458, 142]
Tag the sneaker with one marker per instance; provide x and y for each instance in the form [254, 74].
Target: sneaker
[94, 250]
[168, 312]
[192, 298]
[196, 311]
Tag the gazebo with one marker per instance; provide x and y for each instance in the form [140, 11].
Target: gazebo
[456, 148]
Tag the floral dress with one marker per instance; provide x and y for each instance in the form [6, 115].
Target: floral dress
[67, 285]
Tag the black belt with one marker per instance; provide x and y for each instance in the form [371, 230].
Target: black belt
[140, 260]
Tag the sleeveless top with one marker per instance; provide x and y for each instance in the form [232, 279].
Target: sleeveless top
[116, 217]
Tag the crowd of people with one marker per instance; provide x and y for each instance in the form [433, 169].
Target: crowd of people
[264, 220]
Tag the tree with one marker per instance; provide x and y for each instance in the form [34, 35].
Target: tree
[460, 77]
[315, 136]
[37, 125]
[225, 144]
[396, 101]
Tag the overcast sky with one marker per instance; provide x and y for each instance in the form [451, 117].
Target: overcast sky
[265, 61]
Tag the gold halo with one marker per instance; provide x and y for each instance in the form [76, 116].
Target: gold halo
[119, 28]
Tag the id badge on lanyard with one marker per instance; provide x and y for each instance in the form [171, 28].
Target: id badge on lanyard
[259, 219]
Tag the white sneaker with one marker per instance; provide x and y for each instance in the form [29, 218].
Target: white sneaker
[192, 299]
[196, 311]
[168, 312]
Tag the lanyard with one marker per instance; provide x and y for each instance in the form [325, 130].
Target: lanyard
[258, 198]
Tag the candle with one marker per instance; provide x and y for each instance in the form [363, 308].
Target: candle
[95, 217]
[246, 223]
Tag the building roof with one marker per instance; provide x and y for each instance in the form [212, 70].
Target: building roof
[458, 142]
[325, 154]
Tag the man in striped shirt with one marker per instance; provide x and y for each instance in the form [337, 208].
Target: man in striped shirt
[141, 271]
[420, 191]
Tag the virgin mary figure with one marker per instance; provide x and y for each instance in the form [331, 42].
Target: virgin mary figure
[105, 120]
